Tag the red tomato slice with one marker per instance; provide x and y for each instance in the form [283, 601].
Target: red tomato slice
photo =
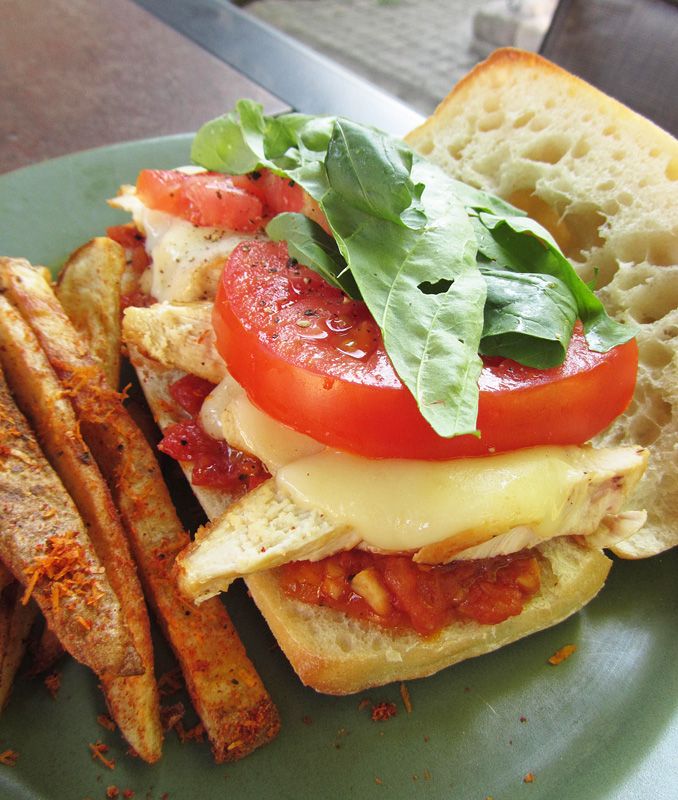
[314, 360]
[207, 199]
[277, 194]
[280, 194]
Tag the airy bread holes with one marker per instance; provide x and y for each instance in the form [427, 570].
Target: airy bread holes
[491, 104]
[655, 354]
[645, 430]
[583, 232]
[549, 150]
[426, 148]
[538, 124]
[655, 299]
[456, 151]
[654, 247]
[582, 149]
[523, 119]
[491, 122]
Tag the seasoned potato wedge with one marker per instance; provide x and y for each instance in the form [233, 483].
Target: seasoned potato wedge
[89, 290]
[229, 697]
[133, 700]
[44, 543]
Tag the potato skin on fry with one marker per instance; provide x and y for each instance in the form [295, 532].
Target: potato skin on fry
[35, 507]
[132, 700]
[16, 620]
[229, 697]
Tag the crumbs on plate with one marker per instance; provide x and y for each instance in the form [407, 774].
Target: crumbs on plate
[560, 655]
[383, 711]
[8, 758]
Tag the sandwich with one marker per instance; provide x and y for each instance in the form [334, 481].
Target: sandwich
[308, 322]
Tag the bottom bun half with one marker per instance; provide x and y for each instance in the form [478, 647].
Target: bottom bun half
[335, 654]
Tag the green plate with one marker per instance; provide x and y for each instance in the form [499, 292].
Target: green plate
[603, 724]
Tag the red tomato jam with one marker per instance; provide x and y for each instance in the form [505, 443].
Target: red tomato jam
[415, 596]
[215, 462]
[134, 242]
[190, 392]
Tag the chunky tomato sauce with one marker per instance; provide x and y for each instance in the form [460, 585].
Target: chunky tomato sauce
[415, 596]
[215, 462]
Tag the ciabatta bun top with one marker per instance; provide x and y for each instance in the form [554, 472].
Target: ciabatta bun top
[604, 180]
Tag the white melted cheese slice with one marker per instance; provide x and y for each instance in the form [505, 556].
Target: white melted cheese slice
[328, 502]
[185, 259]
[439, 511]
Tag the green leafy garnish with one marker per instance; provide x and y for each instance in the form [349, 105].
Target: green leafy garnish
[448, 271]
[308, 243]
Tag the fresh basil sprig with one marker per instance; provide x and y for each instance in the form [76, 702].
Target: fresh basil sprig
[311, 246]
[447, 271]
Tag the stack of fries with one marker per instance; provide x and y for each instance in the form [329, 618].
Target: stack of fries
[88, 527]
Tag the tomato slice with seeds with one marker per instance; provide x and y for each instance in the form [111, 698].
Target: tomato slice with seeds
[314, 360]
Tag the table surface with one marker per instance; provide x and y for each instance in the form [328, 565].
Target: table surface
[76, 74]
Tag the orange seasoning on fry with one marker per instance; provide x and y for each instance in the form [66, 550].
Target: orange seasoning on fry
[53, 683]
[106, 722]
[98, 749]
[65, 565]
[405, 694]
[383, 711]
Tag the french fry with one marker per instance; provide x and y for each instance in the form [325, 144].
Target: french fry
[41, 530]
[16, 620]
[228, 695]
[133, 700]
[89, 290]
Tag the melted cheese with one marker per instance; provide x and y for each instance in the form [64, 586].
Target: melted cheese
[228, 414]
[441, 509]
[185, 259]
[411, 505]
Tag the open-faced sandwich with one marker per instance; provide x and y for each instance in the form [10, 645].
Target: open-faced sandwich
[384, 381]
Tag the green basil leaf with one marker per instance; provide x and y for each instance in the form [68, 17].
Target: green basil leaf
[528, 317]
[532, 249]
[311, 246]
[358, 159]
[432, 338]
[220, 146]
[479, 200]
[447, 270]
